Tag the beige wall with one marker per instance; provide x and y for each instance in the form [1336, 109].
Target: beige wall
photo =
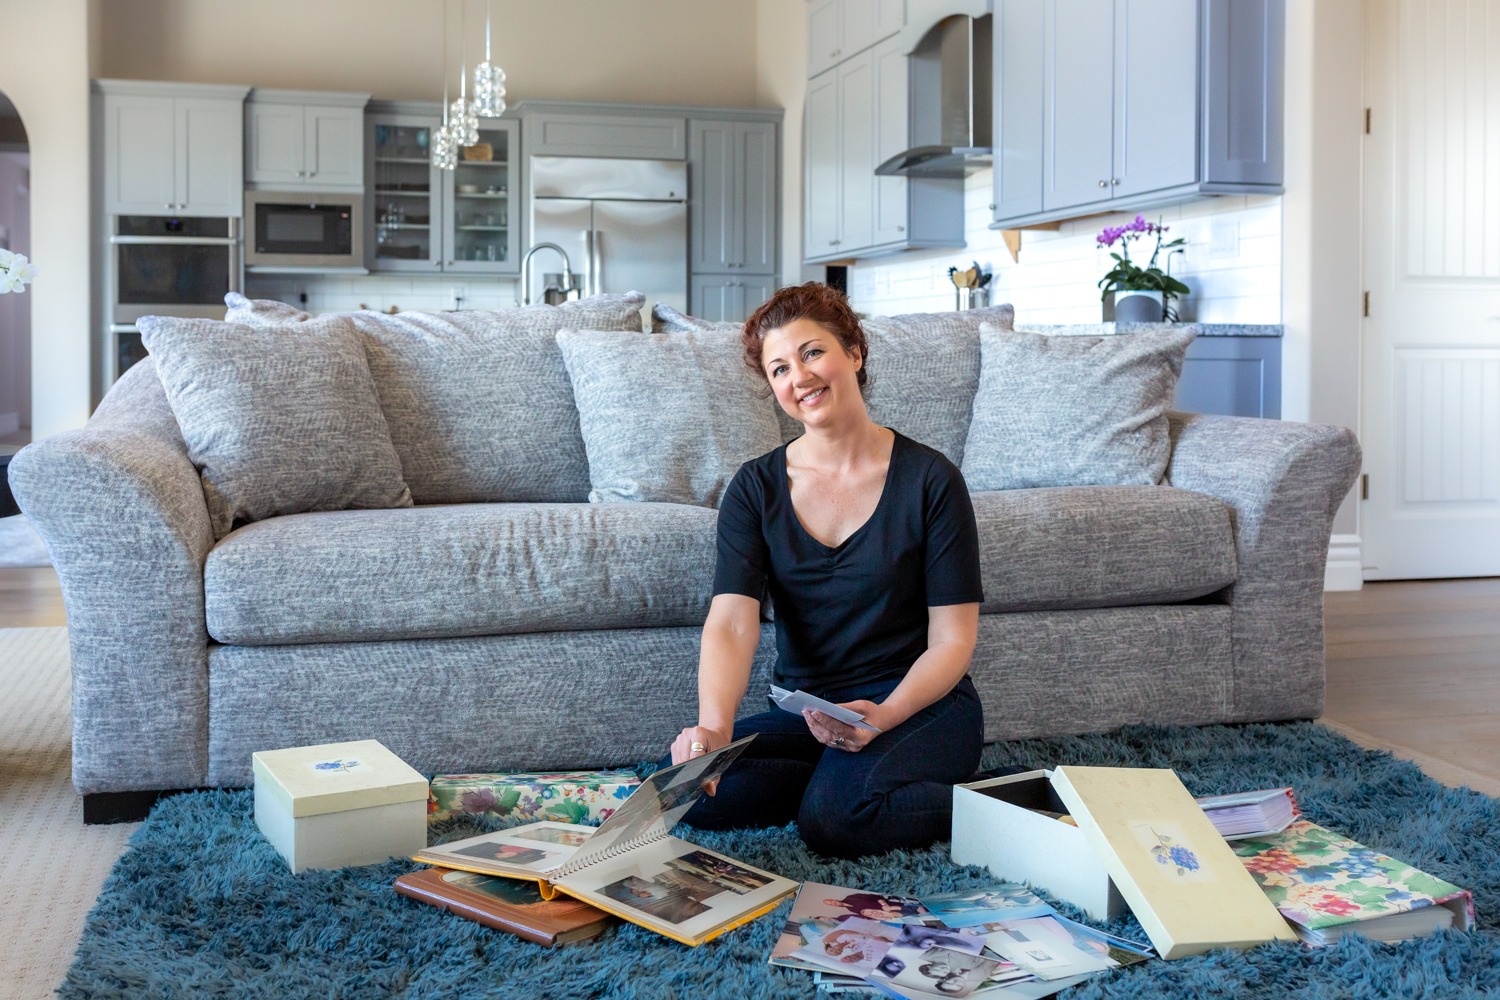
[44, 71]
[1322, 267]
[661, 51]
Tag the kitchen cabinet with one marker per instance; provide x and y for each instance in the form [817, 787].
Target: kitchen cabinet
[576, 133]
[729, 298]
[840, 29]
[732, 169]
[1120, 105]
[459, 221]
[857, 116]
[733, 213]
[172, 148]
[1237, 376]
[305, 140]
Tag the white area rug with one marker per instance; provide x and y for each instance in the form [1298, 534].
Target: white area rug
[51, 865]
[20, 545]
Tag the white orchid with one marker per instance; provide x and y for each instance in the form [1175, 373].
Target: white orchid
[15, 272]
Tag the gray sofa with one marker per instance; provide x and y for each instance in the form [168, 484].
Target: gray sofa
[499, 626]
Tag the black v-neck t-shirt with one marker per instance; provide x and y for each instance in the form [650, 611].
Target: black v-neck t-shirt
[856, 612]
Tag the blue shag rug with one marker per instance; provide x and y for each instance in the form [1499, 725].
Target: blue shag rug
[201, 906]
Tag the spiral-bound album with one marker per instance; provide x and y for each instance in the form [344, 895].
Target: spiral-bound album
[631, 865]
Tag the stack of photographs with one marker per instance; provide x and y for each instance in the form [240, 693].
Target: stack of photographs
[1001, 942]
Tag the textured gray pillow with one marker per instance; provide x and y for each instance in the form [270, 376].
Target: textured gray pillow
[261, 312]
[665, 417]
[666, 319]
[1072, 411]
[924, 370]
[278, 420]
[478, 401]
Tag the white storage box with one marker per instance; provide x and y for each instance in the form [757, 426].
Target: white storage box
[994, 827]
[339, 804]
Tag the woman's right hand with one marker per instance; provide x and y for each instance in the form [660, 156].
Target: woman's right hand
[684, 747]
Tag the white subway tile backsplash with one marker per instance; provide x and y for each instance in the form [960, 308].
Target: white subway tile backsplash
[328, 293]
[1056, 279]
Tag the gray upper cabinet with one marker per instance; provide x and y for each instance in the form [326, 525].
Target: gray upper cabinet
[1119, 105]
[305, 140]
[172, 148]
[857, 116]
[1019, 97]
[732, 171]
[647, 137]
[840, 29]
[1242, 98]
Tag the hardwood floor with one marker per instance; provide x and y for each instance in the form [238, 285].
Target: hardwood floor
[1413, 667]
[30, 598]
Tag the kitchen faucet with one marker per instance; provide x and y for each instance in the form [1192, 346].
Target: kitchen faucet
[567, 271]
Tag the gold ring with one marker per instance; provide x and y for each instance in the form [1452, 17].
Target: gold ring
[696, 747]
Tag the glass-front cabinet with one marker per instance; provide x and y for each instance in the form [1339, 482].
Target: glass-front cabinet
[451, 221]
[478, 195]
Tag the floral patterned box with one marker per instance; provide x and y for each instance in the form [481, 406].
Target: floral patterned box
[526, 797]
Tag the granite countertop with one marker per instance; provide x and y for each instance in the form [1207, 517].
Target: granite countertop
[1200, 329]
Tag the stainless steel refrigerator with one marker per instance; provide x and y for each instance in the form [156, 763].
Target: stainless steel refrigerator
[622, 222]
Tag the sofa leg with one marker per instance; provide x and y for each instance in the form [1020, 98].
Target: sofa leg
[101, 808]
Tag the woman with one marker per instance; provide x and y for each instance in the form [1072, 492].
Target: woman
[866, 542]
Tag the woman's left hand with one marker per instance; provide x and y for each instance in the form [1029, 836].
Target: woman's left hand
[840, 736]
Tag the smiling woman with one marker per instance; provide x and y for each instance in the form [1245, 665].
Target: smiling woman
[865, 542]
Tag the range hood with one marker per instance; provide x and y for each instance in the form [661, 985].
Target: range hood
[950, 100]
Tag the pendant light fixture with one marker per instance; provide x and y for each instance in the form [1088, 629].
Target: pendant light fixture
[464, 121]
[444, 146]
[489, 79]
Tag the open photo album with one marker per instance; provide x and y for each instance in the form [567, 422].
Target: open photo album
[630, 865]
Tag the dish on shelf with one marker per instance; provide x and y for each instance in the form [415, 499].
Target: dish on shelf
[468, 189]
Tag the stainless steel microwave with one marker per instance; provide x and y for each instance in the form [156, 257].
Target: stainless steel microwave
[301, 229]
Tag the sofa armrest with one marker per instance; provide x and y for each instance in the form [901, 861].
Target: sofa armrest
[1283, 481]
[121, 509]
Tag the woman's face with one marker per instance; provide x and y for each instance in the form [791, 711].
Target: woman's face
[811, 374]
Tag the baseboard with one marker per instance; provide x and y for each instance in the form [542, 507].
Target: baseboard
[1345, 570]
[10, 423]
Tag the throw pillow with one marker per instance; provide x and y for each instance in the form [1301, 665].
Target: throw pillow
[666, 319]
[665, 417]
[261, 312]
[1072, 411]
[924, 370]
[278, 419]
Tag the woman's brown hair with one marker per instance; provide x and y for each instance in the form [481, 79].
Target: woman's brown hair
[813, 301]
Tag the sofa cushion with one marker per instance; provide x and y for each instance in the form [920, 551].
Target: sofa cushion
[666, 417]
[924, 370]
[460, 570]
[1072, 411]
[278, 419]
[1101, 546]
[478, 401]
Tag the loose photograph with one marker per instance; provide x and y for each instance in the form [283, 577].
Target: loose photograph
[854, 947]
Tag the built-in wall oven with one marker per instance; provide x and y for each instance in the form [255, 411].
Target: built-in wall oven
[167, 266]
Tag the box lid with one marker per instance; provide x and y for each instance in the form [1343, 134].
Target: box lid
[1182, 880]
[337, 777]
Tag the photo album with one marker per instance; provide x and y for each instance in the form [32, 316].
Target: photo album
[630, 865]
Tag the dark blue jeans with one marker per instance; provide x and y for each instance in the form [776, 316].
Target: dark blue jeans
[896, 792]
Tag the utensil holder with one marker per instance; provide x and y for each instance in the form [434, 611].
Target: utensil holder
[971, 298]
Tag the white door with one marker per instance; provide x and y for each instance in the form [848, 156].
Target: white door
[1431, 363]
